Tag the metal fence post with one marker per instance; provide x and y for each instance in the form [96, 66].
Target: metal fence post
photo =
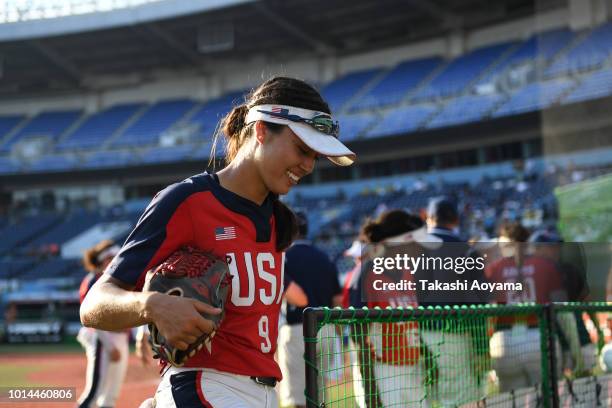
[549, 358]
[310, 358]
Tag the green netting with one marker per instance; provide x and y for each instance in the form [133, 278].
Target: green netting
[494, 356]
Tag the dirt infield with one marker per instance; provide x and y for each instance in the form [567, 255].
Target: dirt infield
[68, 370]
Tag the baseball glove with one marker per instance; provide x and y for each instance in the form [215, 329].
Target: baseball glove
[192, 273]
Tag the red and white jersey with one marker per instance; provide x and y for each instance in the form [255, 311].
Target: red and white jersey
[394, 343]
[199, 212]
[540, 277]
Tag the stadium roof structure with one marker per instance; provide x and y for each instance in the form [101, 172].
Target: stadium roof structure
[71, 50]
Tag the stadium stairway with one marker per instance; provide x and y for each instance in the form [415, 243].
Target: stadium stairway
[551, 70]
[364, 90]
[126, 125]
[9, 125]
[396, 84]
[66, 133]
[98, 127]
[49, 124]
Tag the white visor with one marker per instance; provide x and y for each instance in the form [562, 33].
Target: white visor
[108, 252]
[355, 250]
[419, 235]
[322, 143]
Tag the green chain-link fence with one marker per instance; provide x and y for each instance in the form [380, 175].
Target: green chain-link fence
[487, 355]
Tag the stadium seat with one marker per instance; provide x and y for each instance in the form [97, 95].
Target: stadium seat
[210, 113]
[588, 54]
[538, 49]
[55, 162]
[47, 124]
[98, 127]
[8, 123]
[592, 86]
[469, 108]
[154, 121]
[111, 158]
[167, 154]
[341, 90]
[8, 165]
[402, 120]
[461, 72]
[397, 83]
[539, 95]
[353, 125]
[23, 231]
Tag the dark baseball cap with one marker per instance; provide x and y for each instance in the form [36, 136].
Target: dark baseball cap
[545, 236]
[443, 209]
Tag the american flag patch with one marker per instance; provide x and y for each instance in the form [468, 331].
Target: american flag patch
[282, 111]
[222, 233]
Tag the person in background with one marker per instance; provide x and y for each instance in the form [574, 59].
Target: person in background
[106, 351]
[549, 245]
[453, 350]
[515, 345]
[395, 347]
[312, 270]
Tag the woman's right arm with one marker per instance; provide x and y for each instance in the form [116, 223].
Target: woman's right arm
[112, 305]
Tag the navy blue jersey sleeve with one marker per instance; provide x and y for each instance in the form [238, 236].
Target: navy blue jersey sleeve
[165, 226]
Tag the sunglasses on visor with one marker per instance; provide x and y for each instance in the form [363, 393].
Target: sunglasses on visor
[322, 123]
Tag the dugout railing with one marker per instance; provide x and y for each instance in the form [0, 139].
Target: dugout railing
[453, 357]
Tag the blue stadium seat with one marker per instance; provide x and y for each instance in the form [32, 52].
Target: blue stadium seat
[397, 83]
[402, 120]
[98, 127]
[50, 124]
[55, 162]
[111, 158]
[211, 112]
[7, 123]
[22, 232]
[11, 269]
[535, 96]
[8, 165]
[593, 86]
[460, 72]
[353, 125]
[53, 268]
[539, 48]
[590, 53]
[156, 120]
[339, 91]
[469, 108]
[167, 154]
[70, 227]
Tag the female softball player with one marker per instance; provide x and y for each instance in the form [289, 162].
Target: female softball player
[396, 346]
[273, 141]
[107, 352]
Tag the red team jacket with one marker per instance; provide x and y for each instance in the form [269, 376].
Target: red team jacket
[201, 213]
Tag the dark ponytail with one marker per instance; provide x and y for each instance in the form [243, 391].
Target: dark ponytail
[389, 224]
